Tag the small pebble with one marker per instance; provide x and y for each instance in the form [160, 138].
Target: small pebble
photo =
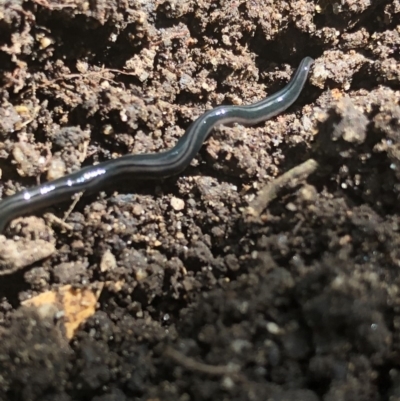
[177, 204]
[273, 328]
[56, 169]
[108, 261]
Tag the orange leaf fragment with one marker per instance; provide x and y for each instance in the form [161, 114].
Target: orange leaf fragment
[77, 304]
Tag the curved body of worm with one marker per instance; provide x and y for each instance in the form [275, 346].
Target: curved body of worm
[153, 165]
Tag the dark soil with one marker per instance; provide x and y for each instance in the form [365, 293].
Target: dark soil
[201, 300]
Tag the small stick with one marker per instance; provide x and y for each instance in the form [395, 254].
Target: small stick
[193, 365]
[290, 179]
[75, 200]
[53, 219]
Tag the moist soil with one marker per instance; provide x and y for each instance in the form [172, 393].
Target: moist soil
[204, 296]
